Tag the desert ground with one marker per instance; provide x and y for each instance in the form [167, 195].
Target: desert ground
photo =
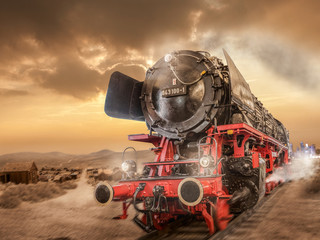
[293, 213]
[73, 214]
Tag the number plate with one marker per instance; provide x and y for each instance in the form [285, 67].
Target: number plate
[175, 91]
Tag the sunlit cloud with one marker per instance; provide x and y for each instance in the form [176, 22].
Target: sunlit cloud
[57, 57]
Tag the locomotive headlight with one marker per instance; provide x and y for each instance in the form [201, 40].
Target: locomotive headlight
[125, 167]
[129, 166]
[205, 161]
[168, 58]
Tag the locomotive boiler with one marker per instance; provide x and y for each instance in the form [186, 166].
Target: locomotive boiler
[215, 144]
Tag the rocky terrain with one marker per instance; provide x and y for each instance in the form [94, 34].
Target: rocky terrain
[104, 158]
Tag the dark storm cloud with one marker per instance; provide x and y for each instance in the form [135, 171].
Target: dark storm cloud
[42, 20]
[134, 24]
[74, 78]
[295, 19]
[57, 30]
[71, 77]
[35, 29]
[58, 25]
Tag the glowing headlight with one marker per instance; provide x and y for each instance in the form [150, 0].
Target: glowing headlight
[125, 167]
[129, 166]
[205, 161]
[168, 58]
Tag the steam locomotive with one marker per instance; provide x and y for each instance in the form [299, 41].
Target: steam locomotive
[215, 145]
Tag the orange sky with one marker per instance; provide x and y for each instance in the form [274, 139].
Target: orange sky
[56, 59]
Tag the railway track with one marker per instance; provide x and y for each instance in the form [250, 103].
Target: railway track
[192, 229]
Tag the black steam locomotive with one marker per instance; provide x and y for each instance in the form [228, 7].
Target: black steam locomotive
[215, 144]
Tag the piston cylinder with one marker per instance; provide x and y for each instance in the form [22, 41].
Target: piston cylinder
[104, 193]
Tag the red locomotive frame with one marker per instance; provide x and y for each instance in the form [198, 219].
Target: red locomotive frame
[213, 207]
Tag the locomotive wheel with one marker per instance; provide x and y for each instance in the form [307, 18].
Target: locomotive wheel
[247, 201]
[241, 165]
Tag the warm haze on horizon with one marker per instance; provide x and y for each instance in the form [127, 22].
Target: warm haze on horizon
[57, 56]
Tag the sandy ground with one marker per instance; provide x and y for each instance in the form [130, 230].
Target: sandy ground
[291, 214]
[75, 215]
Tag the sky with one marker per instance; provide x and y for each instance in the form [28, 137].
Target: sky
[56, 58]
